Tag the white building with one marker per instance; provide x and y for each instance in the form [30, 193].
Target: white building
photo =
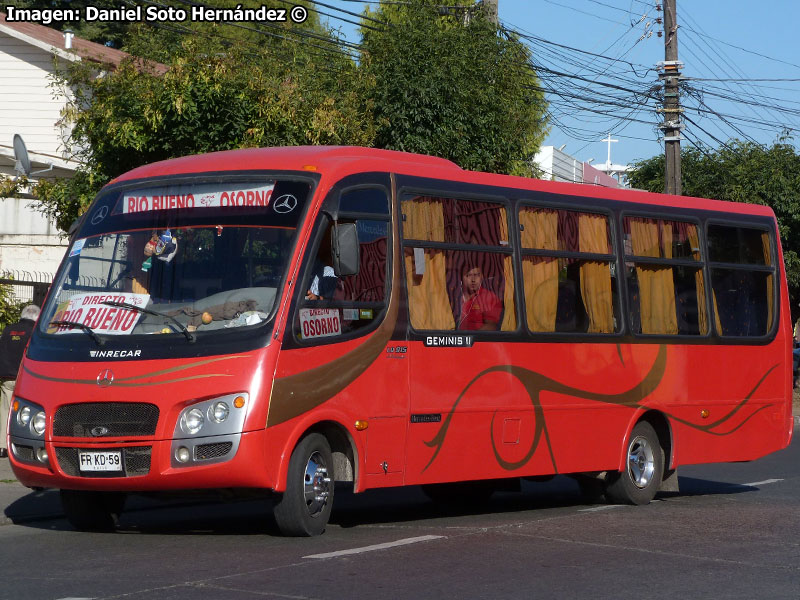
[31, 108]
[557, 165]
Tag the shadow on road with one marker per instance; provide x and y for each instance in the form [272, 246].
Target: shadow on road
[691, 486]
[202, 516]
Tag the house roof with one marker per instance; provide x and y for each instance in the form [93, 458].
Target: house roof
[51, 40]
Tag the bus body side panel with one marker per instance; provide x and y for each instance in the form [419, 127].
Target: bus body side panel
[377, 397]
[733, 406]
[531, 409]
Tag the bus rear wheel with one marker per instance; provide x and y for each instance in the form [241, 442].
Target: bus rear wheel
[92, 511]
[644, 468]
[304, 508]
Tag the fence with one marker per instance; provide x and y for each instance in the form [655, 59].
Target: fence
[29, 287]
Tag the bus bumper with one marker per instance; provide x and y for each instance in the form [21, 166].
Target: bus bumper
[146, 466]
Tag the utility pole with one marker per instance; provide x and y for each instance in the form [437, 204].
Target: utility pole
[491, 10]
[672, 110]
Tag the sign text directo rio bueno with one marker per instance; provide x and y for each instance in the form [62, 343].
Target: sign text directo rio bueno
[197, 197]
[153, 13]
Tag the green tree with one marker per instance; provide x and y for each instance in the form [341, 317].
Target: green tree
[10, 307]
[742, 172]
[451, 84]
[212, 93]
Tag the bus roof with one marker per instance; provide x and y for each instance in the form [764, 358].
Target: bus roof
[339, 161]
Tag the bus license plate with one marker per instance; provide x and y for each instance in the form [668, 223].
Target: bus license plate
[100, 461]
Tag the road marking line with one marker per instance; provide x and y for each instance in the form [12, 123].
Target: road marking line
[765, 482]
[599, 508]
[403, 542]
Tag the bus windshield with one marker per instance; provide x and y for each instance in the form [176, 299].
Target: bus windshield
[177, 259]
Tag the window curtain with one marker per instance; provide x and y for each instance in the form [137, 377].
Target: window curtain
[770, 291]
[509, 313]
[702, 315]
[596, 275]
[540, 274]
[656, 286]
[428, 303]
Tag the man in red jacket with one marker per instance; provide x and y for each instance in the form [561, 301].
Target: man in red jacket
[13, 341]
[480, 308]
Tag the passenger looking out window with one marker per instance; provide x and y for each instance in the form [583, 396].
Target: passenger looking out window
[480, 308]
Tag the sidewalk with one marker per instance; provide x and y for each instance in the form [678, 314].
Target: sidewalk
[19, 504]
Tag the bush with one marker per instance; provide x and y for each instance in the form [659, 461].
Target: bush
[10, 307]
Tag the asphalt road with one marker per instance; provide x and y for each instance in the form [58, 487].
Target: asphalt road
[731, 533]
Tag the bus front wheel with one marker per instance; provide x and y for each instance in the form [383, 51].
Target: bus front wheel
[641, 478]
[92, 511]
[304, 508]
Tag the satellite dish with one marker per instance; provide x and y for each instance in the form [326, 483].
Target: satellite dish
[23, 164]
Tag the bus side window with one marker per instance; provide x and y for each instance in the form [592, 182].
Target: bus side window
[742, 280]
[335, 306]
[452, 284]
[567, 271]
[665, 281]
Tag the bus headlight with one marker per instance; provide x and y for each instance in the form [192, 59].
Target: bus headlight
[222, 415]
[28, 420]
[218, 412]
[39, 423]
[24, 416]
[192, 421]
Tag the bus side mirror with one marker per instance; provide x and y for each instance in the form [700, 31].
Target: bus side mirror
[345, 249]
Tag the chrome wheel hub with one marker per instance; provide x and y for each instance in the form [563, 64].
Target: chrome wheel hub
[316, 484]
[641, 462]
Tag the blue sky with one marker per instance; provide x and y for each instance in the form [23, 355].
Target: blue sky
[725, 45]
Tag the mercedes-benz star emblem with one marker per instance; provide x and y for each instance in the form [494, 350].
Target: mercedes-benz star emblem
[105, 378]
[99, 215]
[285, 204]
[99, 431]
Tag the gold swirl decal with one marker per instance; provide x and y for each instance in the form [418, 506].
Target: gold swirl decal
[295, 394]
[137, 380]
[536, 383]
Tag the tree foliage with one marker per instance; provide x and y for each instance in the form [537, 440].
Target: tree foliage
[425, 82]
[211, 95]
[742, 172]
[10, 307]
[448, 83]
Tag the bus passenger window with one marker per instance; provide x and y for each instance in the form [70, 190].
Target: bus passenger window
[664, 272]
[567, 271]
[460, 288]
[742, 280]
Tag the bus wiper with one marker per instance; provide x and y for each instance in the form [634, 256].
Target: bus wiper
[72, 324]
[189, 335]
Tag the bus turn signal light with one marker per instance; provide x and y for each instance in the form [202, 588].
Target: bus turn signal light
[704, 413]
[361, 425]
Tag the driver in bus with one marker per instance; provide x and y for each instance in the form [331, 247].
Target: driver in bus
[323, 279]
[480, 308]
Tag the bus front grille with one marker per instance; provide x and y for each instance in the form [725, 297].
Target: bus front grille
[211, 451]
[105, 419]
[135, 458]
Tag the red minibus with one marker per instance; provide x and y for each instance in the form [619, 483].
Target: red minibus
[283, 319]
